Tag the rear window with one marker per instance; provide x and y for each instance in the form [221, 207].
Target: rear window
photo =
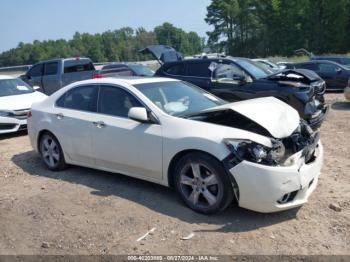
[73, 66]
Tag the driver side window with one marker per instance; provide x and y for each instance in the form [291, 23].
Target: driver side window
[116, 101]
[327, 68]
[228, 72]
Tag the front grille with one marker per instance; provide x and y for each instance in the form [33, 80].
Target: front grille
[7, 126]
[21, 114]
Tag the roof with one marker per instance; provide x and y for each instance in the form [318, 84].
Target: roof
[128, 80]
[2, 77]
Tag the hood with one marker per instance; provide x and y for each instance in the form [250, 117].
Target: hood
[277, 118]
[162, 53]
[18, 102]
[297, 75]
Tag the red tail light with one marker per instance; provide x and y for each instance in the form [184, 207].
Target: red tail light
[94, 76]
[29, 114]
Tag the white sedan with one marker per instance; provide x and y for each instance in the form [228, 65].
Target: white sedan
[16, 97]
[175, 134]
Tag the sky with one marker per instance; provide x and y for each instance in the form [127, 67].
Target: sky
[29, 20]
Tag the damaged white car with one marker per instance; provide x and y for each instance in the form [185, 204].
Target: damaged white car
[175, 134]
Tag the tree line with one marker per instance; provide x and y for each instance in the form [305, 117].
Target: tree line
[278, 27]
[119, 45]
[251, 28]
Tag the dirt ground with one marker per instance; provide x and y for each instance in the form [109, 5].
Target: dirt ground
[84, 211]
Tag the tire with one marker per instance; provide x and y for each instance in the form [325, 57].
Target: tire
[51, 152]
[203, 183]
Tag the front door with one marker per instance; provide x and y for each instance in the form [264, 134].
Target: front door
[121, 144]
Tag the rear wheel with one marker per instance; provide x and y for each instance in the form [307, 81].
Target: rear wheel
[51, 152]
[202, 183]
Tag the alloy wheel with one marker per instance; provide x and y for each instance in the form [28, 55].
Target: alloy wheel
[199, 184]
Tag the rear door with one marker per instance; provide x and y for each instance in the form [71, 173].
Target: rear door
[34, 76]
[121, 144]
[71, 122]
[51, 80]
[332, 74]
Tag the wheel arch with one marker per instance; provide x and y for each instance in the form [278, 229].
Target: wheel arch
[40, 134]
[176, 158]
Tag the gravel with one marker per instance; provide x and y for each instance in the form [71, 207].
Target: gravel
[84, 211]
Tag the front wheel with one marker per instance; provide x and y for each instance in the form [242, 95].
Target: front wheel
[51, 152]
[202, 183]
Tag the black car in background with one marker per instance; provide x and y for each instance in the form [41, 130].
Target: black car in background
[125, 69]
[236, 79]
[342, 60]
[337, 76]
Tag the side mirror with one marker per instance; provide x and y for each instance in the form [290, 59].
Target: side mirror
[139, 114]
[36, 87]
[239, 78]
[338, 70]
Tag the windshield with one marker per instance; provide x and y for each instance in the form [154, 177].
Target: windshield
[179, 98]
[10, 87]
[255, 69]
[141, 70]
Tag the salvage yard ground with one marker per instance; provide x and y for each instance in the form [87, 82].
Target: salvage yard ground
[84, 211]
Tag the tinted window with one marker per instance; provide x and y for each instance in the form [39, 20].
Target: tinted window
[178, 69]
[199, 69]
[36, 70]
[51, 68]
[116, 101]
[327, 68]
[73, 66]
[308, 66]
[82, 98]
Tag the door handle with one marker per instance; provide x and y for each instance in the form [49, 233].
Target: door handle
[59, 116]
[99, 124]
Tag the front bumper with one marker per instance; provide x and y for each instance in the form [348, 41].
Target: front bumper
[261, 188]
[11, 125]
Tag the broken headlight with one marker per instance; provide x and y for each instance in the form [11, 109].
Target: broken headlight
[257, 153]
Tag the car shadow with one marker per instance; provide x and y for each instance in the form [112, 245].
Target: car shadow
[341, 105]
[13, 135]
[155, 197]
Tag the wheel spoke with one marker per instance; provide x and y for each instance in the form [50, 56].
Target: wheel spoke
[51, 161]
[194, 196]
[211, 180]
[196, 170]
[45, 153]
[52, 145]
[56, 156]
[46, 144]
[211, 199]
[186, 180]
